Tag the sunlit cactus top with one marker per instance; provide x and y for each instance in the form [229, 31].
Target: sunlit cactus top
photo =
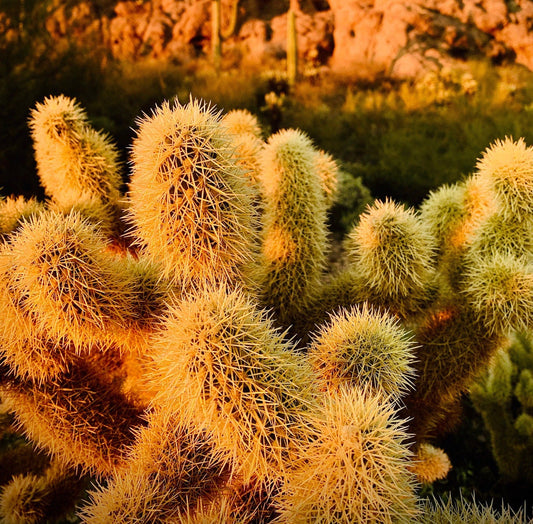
[393, 249]
[508, 167]
[74, 162]
[191, 209]
[241, 121]
[65, 279]
[361, 347]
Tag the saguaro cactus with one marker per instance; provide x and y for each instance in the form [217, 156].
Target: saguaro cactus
[217, 35]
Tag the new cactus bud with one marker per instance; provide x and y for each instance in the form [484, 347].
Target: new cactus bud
[15, 210]
[294, 234]
[430, 464]
[364, 348]
[508, 167]
[355, 469]
[74, 162]
[499, 289]
[68, 284]
[190, 207]
[225, 367]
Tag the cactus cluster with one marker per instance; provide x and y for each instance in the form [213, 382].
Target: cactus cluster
[213, 368]
[503, 395]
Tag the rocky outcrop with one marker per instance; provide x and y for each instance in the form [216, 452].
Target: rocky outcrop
[361, 38]
[403, 38]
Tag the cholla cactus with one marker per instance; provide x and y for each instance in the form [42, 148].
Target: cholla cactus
[363, 348]
[294, 243]
[506, 384]
[31, 499]
[328, 171]
[158, 371]
[170, 468]
[468, 512]
[230, 371]
[15, 210]
[354, 468]
[190, 207]
[430, 463]
[508, 166]
[393, 251]
[66, 282]
[242, 122]
[246, 139]
[77, 165]
[81, 417]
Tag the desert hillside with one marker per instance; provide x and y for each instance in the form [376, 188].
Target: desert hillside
[397, 38]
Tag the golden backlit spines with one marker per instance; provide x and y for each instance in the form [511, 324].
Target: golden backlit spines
[171, 470]
[80, 418]
[242, 122]
[361, 347]
[33, 499]
[499, 289]
[15, 210]
[75, 163]
[328, 172]
[507, 166]
[69, 283]
[191, 209]
[223, 366]
[294, 244]
[392, 249]
[355, 469]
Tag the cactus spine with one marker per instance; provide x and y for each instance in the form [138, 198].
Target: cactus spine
[77, 165]
[354, 468]
[233, 373]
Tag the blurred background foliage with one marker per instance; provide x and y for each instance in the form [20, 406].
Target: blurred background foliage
[402, 138]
